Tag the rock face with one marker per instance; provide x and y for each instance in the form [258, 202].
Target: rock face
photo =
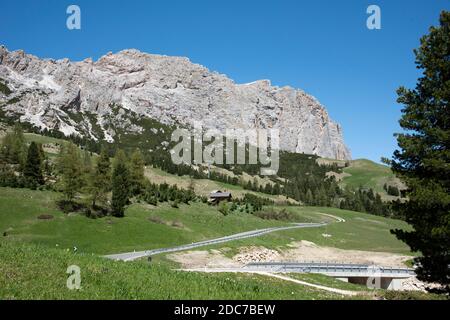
[62, 95]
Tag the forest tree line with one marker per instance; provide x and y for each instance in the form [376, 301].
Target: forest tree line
[300, 177]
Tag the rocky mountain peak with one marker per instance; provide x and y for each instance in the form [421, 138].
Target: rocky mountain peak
[78, 97]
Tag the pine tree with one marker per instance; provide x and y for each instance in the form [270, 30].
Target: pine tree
[13, 149]
[268, 188]
[423, 161]
[322, 199]
[120, 184]
[87, 163]
[276, 189]
[33, 167]
[100, 182]
[309, 199]
[137, 168]
[70, 167]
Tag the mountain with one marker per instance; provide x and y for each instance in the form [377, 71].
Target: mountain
[104, 98]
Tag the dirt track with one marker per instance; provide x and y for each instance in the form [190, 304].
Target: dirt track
[298, 251]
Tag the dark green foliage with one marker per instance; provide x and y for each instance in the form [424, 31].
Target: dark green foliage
[4, 88]
[120, 185]
[365, 201]
[256, 203]
[304, 179]
[12, 158]
[137, 178]
[100, 182]
[32, 170]
[8, 177]
[154, 193]
[393, 191]
[272, 214]
[424, 156]
[68, 206]
[71, 177]
[13, 148]
[223, 208]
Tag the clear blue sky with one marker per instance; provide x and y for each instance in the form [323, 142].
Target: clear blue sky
[322, 47]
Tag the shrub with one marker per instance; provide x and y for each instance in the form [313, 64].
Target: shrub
[67, 206]
[223, 208]
[271, 214]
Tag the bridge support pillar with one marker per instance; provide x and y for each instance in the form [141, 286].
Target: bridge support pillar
[385, 282]
[395, 284]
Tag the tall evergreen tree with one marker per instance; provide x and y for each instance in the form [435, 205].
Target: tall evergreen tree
[423, 161]
[276, 189]
[87, 163]
[33, 167]
[120, 184]
[71, 174]
[309, 199]
[13, 149]
[136, 172]
[100, 182]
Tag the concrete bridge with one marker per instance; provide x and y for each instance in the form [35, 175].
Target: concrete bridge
[376, 276]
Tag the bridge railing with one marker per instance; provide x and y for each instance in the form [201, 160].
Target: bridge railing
[320, 267]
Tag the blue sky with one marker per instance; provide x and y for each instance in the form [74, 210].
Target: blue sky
[322, 47]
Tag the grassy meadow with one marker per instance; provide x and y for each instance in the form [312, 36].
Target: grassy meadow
[35, 272]
[148, 227]
[369, 174]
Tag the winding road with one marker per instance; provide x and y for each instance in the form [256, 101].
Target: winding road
[273, 269]
[129, 256]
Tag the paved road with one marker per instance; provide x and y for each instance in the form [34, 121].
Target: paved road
[128, 256]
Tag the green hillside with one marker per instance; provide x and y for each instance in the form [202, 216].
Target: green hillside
[360, 231]
[40, 240]
[148, 227]
[33, 272]
[368, 174]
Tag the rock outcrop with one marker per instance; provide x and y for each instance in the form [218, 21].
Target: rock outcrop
[60, 94]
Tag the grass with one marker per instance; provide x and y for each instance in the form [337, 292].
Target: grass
[365, 292]
[35, 254]
[34, 272]
[29, 137]
[19, 209]
[324, 280]
[360, 232]
[369, 174]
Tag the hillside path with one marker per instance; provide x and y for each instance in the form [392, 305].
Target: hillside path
[129, 256]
